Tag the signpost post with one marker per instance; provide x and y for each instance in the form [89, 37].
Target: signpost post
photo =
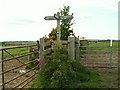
[58, 18]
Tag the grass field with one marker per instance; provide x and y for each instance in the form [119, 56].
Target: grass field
[114, 44]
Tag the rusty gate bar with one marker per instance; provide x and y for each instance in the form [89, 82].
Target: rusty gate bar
[27, 83]
[23, 81]
[2, 71]
[17, 47]
[18, 56]
[13, 56]
[19, 76]
[17, 67]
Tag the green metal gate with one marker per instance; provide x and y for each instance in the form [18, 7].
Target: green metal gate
[100, 55]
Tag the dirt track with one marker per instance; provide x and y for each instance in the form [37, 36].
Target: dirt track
[12, 74]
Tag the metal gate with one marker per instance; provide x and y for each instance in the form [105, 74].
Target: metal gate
[17, 70]
[100, 54]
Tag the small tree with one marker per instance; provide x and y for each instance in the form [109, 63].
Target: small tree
[64, 27]
[65, 24]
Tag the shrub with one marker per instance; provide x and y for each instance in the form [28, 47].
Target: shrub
[59, 71]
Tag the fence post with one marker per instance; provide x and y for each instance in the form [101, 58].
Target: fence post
[77, 50]
[111, 53]
[29, 51]
[71, 47]
[2, 70]
[38, 48]
[41, 48]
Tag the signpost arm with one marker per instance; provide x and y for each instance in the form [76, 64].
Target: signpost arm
[58, 18]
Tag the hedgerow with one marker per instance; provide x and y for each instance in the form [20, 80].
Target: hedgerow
[59, 71]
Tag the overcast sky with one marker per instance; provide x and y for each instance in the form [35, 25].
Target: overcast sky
[23, 20]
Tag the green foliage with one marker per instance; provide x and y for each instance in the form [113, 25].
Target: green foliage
[58, 71]
[65, 24]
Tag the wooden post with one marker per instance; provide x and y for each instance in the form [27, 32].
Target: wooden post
[41, 55]
[1, 68]
[29, 51]
[38, 48]
[71, 47]
[58, 30]
[77, 50]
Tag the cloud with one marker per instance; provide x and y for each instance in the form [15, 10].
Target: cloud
[82, 15]
[26, 17]
[22, 22]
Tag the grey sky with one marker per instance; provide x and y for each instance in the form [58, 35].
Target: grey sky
[24, 19]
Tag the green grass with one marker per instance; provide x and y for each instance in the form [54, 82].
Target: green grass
[105, 79]
[17, 52]
[109, 77]
[101, 46]
[98, 79]
[114, 44]
[92, 82]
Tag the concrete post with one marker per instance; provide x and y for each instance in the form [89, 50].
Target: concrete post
[71, 47]
[41, 55]
[29, 51]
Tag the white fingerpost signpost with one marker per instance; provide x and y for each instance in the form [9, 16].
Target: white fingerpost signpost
[58, 18]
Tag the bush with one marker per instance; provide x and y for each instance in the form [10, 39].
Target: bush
[59, 71]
